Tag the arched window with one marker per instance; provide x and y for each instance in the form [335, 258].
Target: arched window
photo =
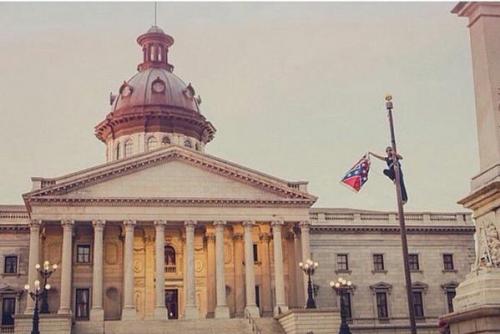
[188, 143]
[129, 148]
[152, 143]
[169, 259]
[118, 151]
[165, 140]
[197, 147]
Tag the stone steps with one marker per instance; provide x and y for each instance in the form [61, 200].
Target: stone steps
[201, 326]
[269, 326]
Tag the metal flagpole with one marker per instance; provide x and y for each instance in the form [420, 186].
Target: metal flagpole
[402, 227]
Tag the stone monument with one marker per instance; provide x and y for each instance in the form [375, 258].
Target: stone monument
[477, 303]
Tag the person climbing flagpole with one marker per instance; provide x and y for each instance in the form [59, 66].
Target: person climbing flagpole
[401, 215]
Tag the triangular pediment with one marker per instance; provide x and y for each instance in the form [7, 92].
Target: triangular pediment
[172, 173]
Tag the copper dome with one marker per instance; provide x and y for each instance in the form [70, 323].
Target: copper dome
[155, 99]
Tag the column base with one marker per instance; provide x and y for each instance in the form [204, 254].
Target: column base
[64, 311]
[253, 310]
[280, 309]
[191, 313]
[161, 313]
[129, 313]
[222, 312]
[96, 314]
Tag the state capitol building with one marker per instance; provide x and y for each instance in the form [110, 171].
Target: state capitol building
[163, 232]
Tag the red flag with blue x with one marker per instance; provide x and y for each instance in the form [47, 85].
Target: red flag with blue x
[357, 176]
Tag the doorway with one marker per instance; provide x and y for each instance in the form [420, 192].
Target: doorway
[171, 302]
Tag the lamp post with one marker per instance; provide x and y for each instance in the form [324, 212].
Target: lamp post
[45, 273]
[39, 293]
[402, 227]
[308, 268]
[341, 287]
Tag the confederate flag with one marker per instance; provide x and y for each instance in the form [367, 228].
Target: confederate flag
[356, 177]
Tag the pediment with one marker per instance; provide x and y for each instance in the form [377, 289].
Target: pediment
[174, 174]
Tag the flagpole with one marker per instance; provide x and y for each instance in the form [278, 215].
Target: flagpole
[402, 227]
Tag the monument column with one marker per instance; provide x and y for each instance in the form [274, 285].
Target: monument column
[191, 311]
[97, 312]
[221, 311]
[160, 309]
[65, 303]
[129, 311]
[280, 305]
[251, 306]
[477, 300]
[34, 259]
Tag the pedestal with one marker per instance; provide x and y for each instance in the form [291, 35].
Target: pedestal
[477, 304]
[129, 313]
[317, 321]
[191, 313]
[222, 312]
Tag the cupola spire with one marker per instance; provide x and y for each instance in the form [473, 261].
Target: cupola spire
[155, 44]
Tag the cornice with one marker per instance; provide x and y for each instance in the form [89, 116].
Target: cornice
[167, 202]
[393, 229]
[14, 228]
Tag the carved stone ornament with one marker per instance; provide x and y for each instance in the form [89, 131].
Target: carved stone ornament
[488, 252]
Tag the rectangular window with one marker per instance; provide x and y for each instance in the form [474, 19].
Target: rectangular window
[450, 294]
[83, 254]
[342, 262]
[418, 304]
[378, 262]
[255, 253]
[382, 312]
[8, 310]
[10, 266]
[448, 262]
[413, 262]
[82, 304]
[346, 296]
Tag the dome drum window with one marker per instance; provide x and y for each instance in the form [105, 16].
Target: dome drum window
[151, 143]
[126, 90]
[188, 143]
[158, 86]
[165, 140]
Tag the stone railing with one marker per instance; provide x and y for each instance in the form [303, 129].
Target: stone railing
[252, 323]
[326, 217]
[4, 329]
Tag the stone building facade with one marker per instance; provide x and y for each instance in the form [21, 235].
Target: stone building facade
[165, 231]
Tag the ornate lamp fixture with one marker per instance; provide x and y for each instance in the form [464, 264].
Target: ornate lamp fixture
[309, 267]
[341, 287]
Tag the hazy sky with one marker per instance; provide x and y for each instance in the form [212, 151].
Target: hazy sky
[294, 89]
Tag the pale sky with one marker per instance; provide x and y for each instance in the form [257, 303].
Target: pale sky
[295, 90]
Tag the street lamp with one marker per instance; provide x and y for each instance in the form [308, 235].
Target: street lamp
[308, 268]
[341, 287]
[45, 273]
[402, 227]
[36, 295]
[40, 293]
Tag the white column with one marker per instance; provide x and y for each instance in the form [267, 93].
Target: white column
[97, 312]
[221, 311]
[306, 248]
[128, 311]
[251, 306]
[191, 311]
[34, 259]
[279, 281]
[65, 303]
[160, 309]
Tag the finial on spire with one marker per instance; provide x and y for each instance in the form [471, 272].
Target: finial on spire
[156, 10]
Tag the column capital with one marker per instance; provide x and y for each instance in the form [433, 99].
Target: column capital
[129, 222]
[265, 236]
[67, 223]
[277, 223]
[99, 223]
[190, 223]
[248, 223]
[160, 223]
[219, 223]
[35, 223]
[305, 224]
